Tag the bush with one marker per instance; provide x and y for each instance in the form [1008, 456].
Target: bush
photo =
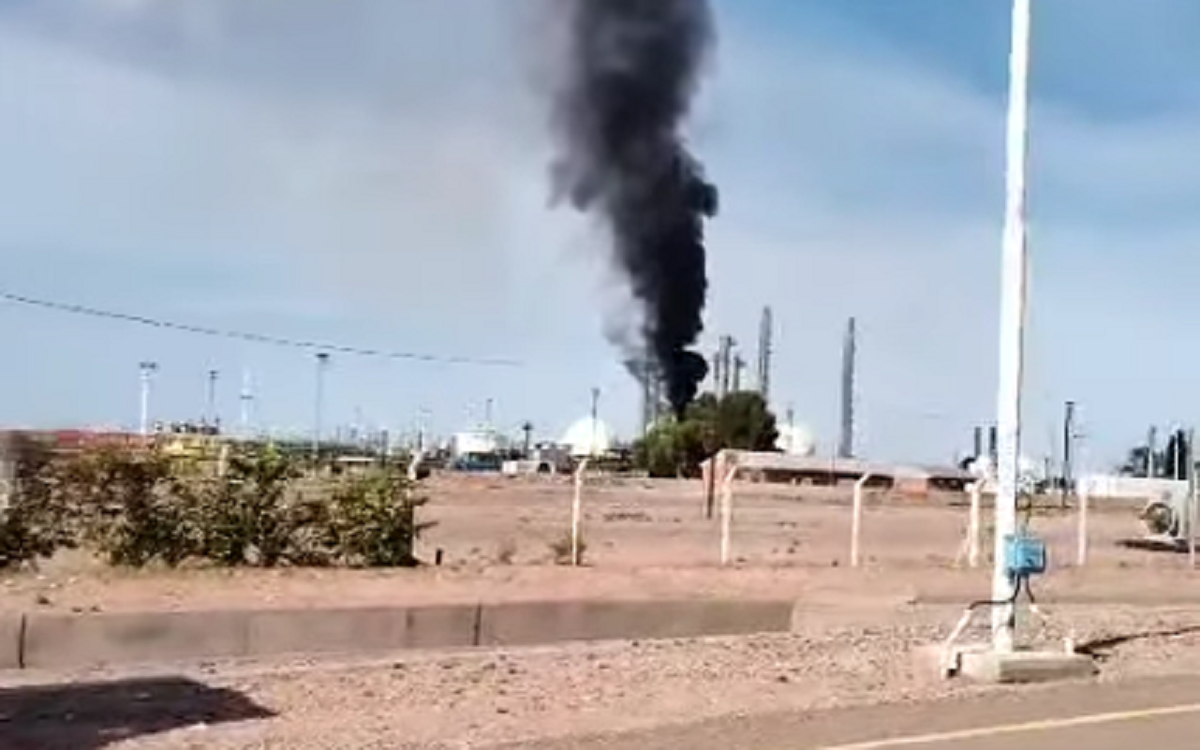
[128, 504]
[34, 520]
[373, 520]
[250, 516]
[137, 506]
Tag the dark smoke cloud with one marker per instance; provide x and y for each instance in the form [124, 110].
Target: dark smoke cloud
[631, 72]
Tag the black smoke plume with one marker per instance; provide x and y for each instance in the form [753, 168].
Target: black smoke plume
[632, 69]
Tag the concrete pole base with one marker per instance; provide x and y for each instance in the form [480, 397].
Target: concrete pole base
[980, 663]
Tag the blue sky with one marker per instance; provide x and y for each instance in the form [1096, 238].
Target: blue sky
[374, 173]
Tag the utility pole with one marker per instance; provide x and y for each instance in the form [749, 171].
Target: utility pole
[1068, 461]
[739, 365]
[147, 369]
[322, 361]
[1012, 326]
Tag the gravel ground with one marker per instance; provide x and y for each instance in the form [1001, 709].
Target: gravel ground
[475, 699]
[645, 541]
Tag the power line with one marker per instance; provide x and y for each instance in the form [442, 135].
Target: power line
[257, 338]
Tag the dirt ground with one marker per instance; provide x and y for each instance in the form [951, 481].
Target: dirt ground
[644, 539]
[854, 645]
[487, 698]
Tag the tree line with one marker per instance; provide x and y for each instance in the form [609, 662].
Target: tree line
[676, 447]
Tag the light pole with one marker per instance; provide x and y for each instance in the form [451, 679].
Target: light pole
[1012, 324]
[147, 369]
[246, 397]
[319, 406]
[212, 417]
[422, 428]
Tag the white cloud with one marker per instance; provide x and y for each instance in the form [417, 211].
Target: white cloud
[392, 155]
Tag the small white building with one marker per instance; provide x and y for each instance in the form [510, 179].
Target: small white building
[475, 443]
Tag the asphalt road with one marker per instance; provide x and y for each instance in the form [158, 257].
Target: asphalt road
[1160, 714]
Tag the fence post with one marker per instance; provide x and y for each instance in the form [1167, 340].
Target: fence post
[577, 511]
[726, 512]
[856, 512]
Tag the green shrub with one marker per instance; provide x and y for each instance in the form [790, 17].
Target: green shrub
[251, 516]
[34, 519]
[136, 507]
[373, 520]
[129, 506]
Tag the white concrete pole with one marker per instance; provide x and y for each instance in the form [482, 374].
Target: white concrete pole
[727, 512]
[1191, 520]
[1012, 323]
[1081, 544]
[974, 523]
[577, 511]
[856, 511]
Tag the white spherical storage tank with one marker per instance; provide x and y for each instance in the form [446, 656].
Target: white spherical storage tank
[587, 437]
[796, 440]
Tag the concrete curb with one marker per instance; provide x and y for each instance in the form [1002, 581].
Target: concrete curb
[534, 623]
[68, 641]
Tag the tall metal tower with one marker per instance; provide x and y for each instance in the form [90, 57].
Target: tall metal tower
[764, 354]
[739, 365]
[718, 365]
[646, 375]
[726, 358]
[849, 363]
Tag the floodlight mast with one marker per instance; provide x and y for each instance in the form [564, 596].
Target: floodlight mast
[1012, 324]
